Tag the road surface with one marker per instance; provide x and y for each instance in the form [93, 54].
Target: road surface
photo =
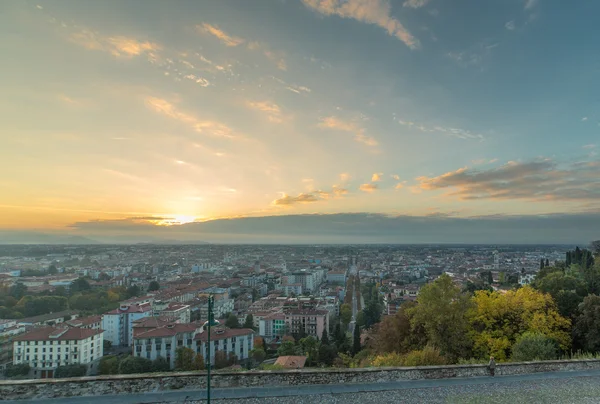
[353, 271]
[553, 387]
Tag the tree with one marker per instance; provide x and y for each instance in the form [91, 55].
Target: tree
[133, 291]
[232, 321]
[249, 322]
[595, 246]
[52, 270]
[547, 262]
[161, 364]
[199, 362]
[258, 355]
[184, 359]
[109, 365]
[533, 346]
[310, 348]
[325, 338]
[428, 356]
[79, 285]
[255, 295]
[498, 319]
[441, 311]
[587, 325]
[356, 340]
[18, 290]
[395, 333]
[567, 290]
[221, 360]
[288, 348]
[70, 371]
[346, 314]
[17, 370]
[104, 277]
[134, 364]
[154, 285]
[542, 263]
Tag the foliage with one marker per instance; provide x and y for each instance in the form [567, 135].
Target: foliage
[267, 366]
[221, 360]
[232, 321]
[566, 289]
[346, 314]
[327, 354]
[70, 371]
[587, 325]
[441, 311]
[154, 285]
[30, 306]
[134, 364]
[133, 291]
[498, 319]
[249, 322]
[106, 345]
[534, 346]
[583, 258]
[17, 370]
[395, 333]
[79, 285]
[184, 358]
[428, 356]
[199, 362]
[161, 364]
[356, 340]
[109, 365]
[595, 246]
[258, 355]
[310, 347]
[288, 348]
[388, 359]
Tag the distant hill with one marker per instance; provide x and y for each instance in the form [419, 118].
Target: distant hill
[26, 237]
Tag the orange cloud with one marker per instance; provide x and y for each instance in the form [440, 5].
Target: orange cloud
[119, 46]
[273, 111]
[228, 40]
[368, 187]
[335, 123]
[376, 177]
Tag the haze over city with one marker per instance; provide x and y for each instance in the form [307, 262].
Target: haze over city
[309, 121]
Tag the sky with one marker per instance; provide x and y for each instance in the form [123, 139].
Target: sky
[192, 119]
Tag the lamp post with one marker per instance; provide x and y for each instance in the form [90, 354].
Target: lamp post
[210, 323]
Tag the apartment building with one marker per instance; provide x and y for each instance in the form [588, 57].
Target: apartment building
[180, 311]
[272, 326]
[47, 348]
[8, 330]
[118, 323]
[312, 321]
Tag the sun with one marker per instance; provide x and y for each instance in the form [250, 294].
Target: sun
[173, 220]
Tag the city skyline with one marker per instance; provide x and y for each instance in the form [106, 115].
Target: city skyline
[377, 121]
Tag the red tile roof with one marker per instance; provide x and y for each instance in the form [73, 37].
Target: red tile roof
[58, 334]
[134, 308]
[168, 330]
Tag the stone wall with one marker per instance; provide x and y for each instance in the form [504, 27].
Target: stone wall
[124, 384]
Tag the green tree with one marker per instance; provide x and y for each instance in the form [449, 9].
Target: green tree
[288, 348]
[327, 354]
[255, 295]
[18, 290]
[70, 371]
[52, 270]
[587, 325]
[109, 365]
[567, 290]
[17, 370]
[161, 364]
[258, 355]
[249, 322]
[232, 321]
[184, 359]
[133, 364]
[154, 285]
[310, 348]
[595, 246]
[325, 338]
[79, 285]
[534, 347]
[356, 340]
[133, 291]
[106, 345]
[441, 311]
[346, 314]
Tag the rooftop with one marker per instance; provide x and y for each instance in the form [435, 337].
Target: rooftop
[58, 334]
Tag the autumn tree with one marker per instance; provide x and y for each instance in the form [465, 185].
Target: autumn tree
[441, 311]
[498, 319]
[395, 334]
[184, 359]
[221, 360]
[199, 362]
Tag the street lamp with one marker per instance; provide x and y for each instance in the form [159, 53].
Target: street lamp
[210, 323]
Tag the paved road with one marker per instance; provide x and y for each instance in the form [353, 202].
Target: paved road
[552, 387]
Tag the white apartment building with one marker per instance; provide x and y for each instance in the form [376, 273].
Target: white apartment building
[164, 340]
[45, 349]
[179, 311]
[118, 323]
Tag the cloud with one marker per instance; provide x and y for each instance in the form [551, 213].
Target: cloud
[274, 56]
[589, 146]
[166, 108]
[228, 40]
[354, 228]
[272, 111]
[584, 119]
[510, 25]
[376, 177]
[415, 3]
[309, 197]
[448, 131]
[539, 180]
[396, 177]
[399, 185]
[118, 46]
[377, 12]
[529, 4]
[344, 177]
[368, 187]
[335, 123]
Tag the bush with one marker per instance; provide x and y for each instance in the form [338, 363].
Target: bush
[17, 370]
[388, 359]
[70, 371]
[160, 364]
[109, 365]
[428, 356]
[534, 346]
[132, 364]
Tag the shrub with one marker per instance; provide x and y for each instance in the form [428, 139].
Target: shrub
[17, 370]
[70, 371]
[109, 365]
[388, 359]
[160, 364]
[132, 364]
[534, 346]
[428, 356]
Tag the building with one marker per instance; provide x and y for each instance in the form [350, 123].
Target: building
[93, 322]
[118, 323]
[312, 322]
[49, 319]
[164, 340]
[272, 327]
[336, 277]
[47, 348]
[8, 330]
[526, 279]
[180, 311]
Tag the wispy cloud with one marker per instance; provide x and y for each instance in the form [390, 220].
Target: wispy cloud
[377, 12]
[529, 4]
[376, 177]
[344, 177]
[539, 180]
[118, 46]
[590, 146]
[276, 57]
[584, 119]
[166, 108]
[448, 131]
[510, 25]
[335, 123]
[368, 187]
[415, 3]
[310, 197]
[273, 111]
[221, 35]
